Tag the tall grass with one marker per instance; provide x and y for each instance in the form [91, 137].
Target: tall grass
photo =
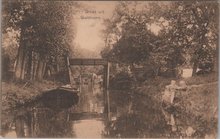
[202, 79]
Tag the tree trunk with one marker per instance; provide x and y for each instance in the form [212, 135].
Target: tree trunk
[216, 59]
[195, 66]
[39, 70]
[32, 66]
[57, 68]
[19, 127]
[35, 67]
[44, 69]
[29, 65]
[158, 71]
[24, 67]
[215, 65]
[19, 62]
[130, 107]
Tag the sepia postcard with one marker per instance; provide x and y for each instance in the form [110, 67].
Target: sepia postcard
[109, 69]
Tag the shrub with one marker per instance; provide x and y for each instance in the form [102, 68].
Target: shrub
[122, 81]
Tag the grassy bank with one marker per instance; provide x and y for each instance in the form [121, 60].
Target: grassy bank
[15, 94]
[197, 107]
[202, 79]
[19, 93]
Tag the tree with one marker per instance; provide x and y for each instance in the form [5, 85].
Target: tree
[131, 37]
[185, 29]
[128, 39]
[45, 34]
[193, 29]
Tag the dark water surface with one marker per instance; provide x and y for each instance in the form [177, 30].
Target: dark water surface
[44, 118]
[131, 116]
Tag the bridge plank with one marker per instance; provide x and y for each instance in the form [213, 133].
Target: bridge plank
[87, 62]
[84, 116]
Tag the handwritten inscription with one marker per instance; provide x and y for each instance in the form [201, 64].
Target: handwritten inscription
[90, 14]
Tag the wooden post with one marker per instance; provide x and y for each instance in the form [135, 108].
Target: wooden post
[80, 83]
[106, 84]
[92, 86]
[69, 70]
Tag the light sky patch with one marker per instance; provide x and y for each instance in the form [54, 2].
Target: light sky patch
[90, 23]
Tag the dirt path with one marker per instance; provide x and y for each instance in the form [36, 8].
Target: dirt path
[199, 85]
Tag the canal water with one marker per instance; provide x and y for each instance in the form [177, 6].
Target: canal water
[86, 119]
[132, 115]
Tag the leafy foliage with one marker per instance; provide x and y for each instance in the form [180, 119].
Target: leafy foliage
[46, 31]
[186, 35]
[122, 81]
[192, 27]
[129, 36]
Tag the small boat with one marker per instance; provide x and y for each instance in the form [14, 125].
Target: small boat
[61, 97]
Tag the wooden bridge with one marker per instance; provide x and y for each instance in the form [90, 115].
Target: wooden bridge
[94, 62]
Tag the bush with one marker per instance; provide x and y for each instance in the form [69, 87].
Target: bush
[197, 107]
[122, 81]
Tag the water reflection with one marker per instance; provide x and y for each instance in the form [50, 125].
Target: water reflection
[91, 99]
[135, 116]
[132, 115]
[19, 126]
[42, 122]
[92, 128]
[85, 119]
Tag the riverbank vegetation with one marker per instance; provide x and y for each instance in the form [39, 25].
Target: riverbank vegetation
[196, 108]
[148, 45]
[14, 95]
[38, 37]
[151, 46]
[154, 39]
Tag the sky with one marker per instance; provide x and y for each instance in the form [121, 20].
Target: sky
[89, 24]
